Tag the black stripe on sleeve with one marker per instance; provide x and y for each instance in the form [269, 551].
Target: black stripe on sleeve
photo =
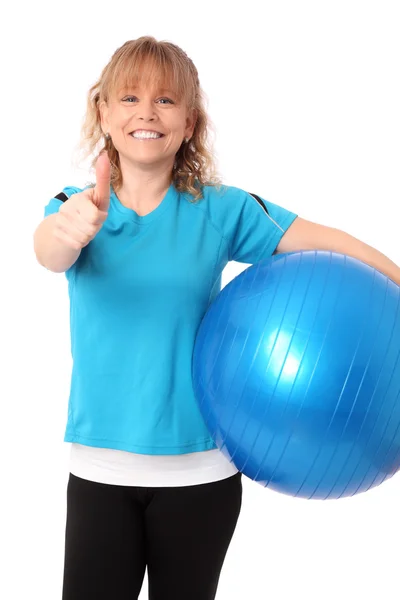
[260, 202]
[61, 196]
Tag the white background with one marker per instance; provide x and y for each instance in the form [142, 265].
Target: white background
[305, 98]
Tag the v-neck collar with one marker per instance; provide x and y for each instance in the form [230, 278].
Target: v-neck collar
[170, 196]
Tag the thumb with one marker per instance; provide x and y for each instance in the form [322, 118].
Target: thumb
[101, 192]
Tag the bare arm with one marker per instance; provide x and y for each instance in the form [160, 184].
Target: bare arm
[306, 235]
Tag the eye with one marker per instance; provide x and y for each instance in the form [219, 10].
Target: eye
[134, 97]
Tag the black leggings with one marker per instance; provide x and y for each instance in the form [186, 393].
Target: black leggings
[181, 534]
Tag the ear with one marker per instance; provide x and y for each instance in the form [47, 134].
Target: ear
[191, 121]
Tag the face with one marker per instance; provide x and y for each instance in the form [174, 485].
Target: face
[138, 109]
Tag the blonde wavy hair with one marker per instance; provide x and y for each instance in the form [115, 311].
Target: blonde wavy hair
[143, 61]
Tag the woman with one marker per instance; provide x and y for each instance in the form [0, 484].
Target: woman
[143, 250]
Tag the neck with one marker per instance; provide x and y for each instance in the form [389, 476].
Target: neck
[144, 188]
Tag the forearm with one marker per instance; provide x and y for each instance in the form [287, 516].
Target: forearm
[51, 252]
[344, 243]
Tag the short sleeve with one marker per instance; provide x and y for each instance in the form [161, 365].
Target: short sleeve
[255, 226]
[54, 204]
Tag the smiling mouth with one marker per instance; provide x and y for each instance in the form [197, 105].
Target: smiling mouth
[147, 137]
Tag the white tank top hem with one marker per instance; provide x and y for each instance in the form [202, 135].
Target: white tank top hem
[118, 467]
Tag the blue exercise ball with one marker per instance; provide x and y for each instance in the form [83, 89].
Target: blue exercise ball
[296, 370]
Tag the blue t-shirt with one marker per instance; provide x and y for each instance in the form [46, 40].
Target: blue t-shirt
[138, 293]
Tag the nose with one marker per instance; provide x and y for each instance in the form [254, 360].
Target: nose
[146, 110]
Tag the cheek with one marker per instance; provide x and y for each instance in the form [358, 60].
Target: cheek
[177, 122]
[175, 126]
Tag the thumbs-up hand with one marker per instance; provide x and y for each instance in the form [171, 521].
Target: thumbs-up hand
[81, 217]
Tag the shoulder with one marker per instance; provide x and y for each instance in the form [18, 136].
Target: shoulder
[221, 198]
[53, 205]
[227, 207]
[231, 205]
[68, 191]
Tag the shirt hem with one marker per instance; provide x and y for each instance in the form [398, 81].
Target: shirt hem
[204, 444]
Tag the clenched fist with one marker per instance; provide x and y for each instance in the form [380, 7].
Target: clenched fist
[81, 217]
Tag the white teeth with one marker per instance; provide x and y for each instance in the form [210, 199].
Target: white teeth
[146, 135]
